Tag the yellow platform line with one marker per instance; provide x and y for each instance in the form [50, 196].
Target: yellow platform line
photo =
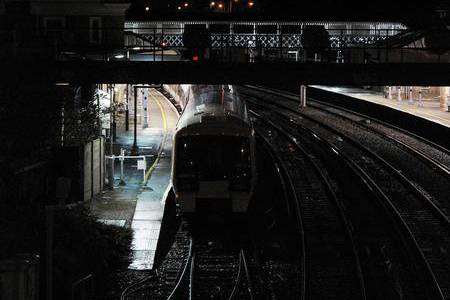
[161, 145]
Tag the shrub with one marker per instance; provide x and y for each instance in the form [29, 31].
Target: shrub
[81, 246]
[85, 246]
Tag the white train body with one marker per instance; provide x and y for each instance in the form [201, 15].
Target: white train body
[214, 151]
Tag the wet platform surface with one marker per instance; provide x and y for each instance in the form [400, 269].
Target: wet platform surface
[430, 109]
[147, 219]
[139, 204]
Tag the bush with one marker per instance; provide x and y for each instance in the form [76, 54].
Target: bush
[315, 39]
[85, 246]
[81, 246]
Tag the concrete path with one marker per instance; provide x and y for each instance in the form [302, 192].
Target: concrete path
[135, 204]
[429, 111]
[147, 218]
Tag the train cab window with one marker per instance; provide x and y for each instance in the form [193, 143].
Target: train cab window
[214, 158]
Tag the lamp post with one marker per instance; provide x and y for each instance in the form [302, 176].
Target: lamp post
[111, 122]
[127, 110]
[114, 132]
[145, 107]
[134, 148]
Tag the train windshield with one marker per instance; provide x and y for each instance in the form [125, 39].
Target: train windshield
[215, 158]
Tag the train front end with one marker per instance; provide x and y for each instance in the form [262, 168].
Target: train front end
[214, 158]
[213, 173]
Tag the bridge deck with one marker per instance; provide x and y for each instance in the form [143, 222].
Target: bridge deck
[257, 73]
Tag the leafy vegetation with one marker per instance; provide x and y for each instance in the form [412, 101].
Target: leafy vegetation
[81, 246]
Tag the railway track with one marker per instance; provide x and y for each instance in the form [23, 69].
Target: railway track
[214, 265]
[294, 212]
[424, 163]
[422, 224]
[214, 269]
[155, 285]
[332, 265]
[201, 263]
[420, 146]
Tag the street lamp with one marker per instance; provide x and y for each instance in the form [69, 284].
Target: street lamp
[135, 148]
[230, 5]
[112, 121]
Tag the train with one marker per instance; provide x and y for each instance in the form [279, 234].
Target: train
[213, 165]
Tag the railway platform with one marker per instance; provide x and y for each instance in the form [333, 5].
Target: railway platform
[430, 110]
[139, 203]
[427, 118]
[149, 210]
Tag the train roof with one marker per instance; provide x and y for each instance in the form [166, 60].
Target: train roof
[212, 103]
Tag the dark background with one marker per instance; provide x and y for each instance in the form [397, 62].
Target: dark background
[411, 12]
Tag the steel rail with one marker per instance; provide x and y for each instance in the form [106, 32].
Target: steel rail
[238, 279]
[135, 287]
[247, 274]
[192, 277]
[408, 237]
[189, 274]
[283, 172]
[178, 286]
[332, 195]
[294, 98]
[427, 159]
[398, 174]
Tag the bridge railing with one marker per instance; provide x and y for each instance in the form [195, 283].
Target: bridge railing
[173, 37]
[168, 44]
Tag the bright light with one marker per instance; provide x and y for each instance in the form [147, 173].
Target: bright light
[147, 8]
[136, 48]
[62, 83]
[186, 4]
[213, 3]
[118, 56]
[251, 4]
[179, 7]
[220, 5]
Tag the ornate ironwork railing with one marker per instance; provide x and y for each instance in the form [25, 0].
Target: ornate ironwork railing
[167, 44]
[245, 40]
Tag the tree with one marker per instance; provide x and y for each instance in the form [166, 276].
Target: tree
[315, 40]
[196, 39]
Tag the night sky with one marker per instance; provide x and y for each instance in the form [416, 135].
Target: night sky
[402, 10]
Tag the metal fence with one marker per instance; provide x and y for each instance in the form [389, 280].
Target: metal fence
[173, 37]
[167, 44]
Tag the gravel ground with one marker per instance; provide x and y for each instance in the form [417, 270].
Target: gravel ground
[433, 183]
[431, 236]
[435, 153]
